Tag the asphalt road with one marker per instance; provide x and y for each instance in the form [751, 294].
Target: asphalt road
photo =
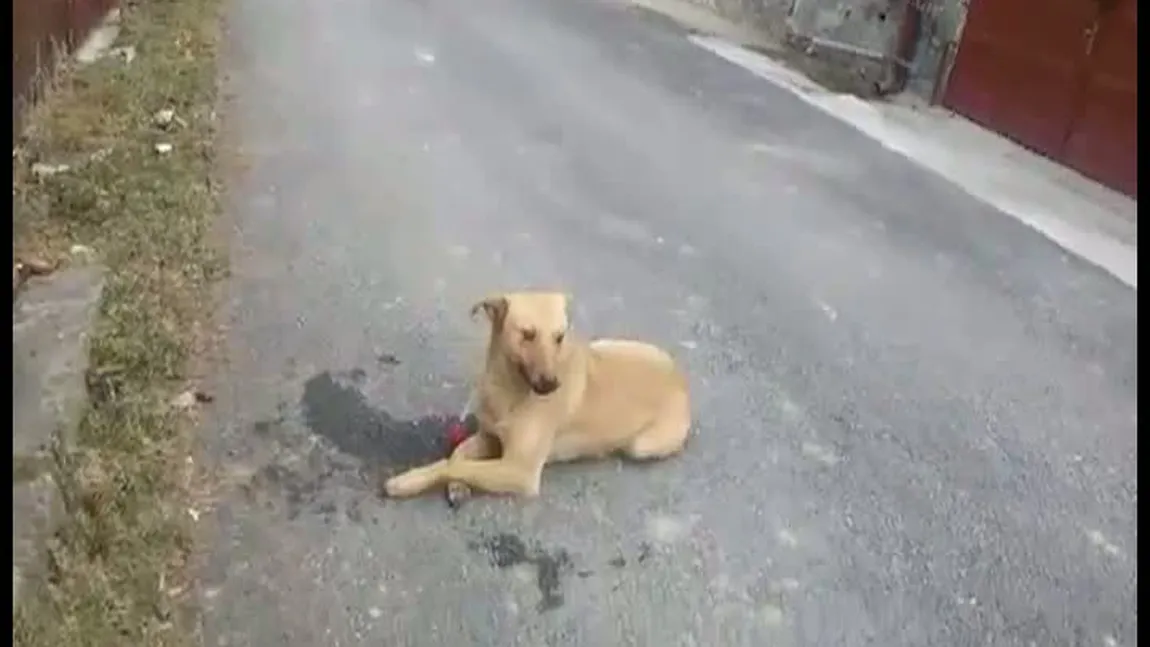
[916, 418]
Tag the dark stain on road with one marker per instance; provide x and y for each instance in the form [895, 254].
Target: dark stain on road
[506, 550]
[645, 552]
[387, 359]
[338, 411]
[299, 487]
[366, 440]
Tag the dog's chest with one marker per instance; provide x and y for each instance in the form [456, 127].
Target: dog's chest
[494, 407]
[497, 407]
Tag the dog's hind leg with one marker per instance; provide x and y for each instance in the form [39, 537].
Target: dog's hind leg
[667, 433]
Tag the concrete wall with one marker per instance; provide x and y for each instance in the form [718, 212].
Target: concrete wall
[770, 16]
[863, 27]
[38, 28]
[869, 29]
[863, 24]
[851, 43]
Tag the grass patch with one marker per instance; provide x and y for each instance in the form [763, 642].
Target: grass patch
[116, 568]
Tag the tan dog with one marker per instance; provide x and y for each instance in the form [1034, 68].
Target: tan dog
[546, 396]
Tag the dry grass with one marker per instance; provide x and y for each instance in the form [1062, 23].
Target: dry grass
[115, 570]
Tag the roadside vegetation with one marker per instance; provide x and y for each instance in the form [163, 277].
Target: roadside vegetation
[117, 163]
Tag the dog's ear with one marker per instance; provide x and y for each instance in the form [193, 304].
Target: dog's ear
[495, 307]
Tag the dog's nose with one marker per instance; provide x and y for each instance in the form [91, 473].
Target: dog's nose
[546, 385]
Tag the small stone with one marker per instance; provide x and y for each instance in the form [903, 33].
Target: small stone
[42, 170]
[190, 398]
[163, 148]
[185, 400]
[126, 53]
[164, 118]
[82, 251]
[176, 591]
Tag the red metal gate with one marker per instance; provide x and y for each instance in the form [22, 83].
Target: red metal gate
[1103, 140]
[1058, 76]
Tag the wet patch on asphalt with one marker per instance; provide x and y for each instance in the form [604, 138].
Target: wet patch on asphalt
[338, 411]
[343, 441]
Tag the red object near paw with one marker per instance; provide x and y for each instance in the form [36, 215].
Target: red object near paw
[456, 434]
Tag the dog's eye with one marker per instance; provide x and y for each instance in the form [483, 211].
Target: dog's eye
[559, 337]
[528, 335]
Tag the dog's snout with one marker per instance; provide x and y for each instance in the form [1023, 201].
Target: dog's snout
[545, 385]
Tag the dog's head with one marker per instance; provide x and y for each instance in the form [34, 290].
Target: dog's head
[529, 329]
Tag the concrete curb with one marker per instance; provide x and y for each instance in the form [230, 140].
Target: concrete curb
[51, 321]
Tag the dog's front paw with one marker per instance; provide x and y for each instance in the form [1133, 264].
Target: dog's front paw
[457, 493]
[401, 486]
[391, 487]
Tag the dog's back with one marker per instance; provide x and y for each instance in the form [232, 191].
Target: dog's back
[640, 369]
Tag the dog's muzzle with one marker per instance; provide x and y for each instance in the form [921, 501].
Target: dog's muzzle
[545, 385]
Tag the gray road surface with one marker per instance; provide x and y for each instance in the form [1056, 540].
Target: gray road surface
[916, 419]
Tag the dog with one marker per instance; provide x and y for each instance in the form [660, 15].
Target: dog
[547, 396]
